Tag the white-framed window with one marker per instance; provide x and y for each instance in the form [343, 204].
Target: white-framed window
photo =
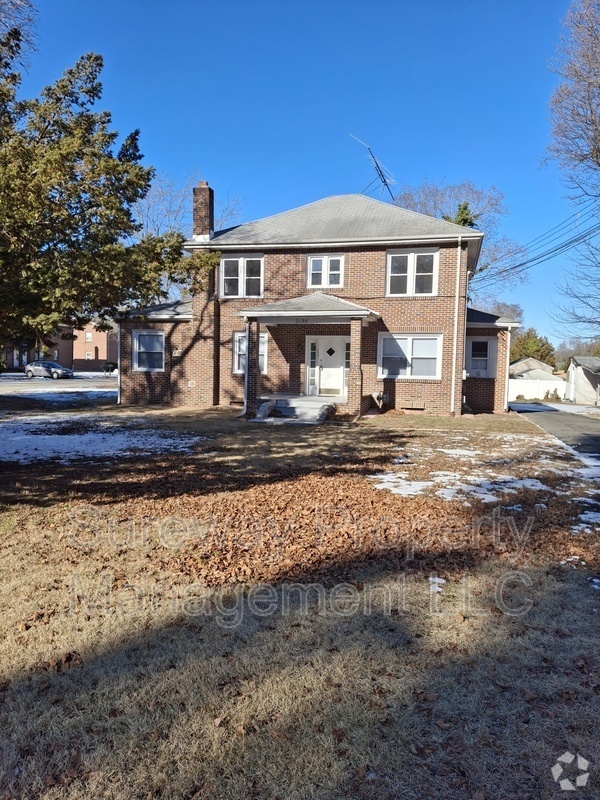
[325, 271]
[402, 355]
[88, 336]
[239, 353]
[88, 355]
[242, 276]
[148, 351]
[412, 272]
[481, 356]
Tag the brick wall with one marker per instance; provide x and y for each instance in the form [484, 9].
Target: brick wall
[203, 375]
[488, 394]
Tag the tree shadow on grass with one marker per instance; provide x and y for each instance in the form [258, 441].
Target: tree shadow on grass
[379, 690]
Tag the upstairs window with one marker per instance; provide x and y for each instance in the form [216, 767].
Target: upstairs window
[325, 271]
[239, 353]
[242, 276]
[408, 356]
[148, 351]
[412, 273]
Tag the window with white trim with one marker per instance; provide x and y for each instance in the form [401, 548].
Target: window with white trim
[88, 355]
[325, 271]
[88, 336]
[481, 356]
[402, 355]
[239, 353]
[148, 351]
[411, 273]
[242, 276]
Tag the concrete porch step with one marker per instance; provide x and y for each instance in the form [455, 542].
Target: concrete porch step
[293, 408]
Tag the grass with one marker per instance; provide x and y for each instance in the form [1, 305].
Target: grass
[125, 672]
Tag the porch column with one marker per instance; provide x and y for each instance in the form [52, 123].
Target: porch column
[252, 367]
[355, 376]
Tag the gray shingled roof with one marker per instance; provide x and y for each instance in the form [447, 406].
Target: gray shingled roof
[179, 308]
[591, 363]
[477, 317]
[341, 218]
[317, 303]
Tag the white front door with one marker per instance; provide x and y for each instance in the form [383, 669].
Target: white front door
[327, 361]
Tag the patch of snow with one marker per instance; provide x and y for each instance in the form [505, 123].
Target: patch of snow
[468, 453]
[71, 436]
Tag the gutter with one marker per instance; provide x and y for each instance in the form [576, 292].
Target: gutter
[455, 342]
[239, 247]
[119, 364]
[506, 379]
[245, 407]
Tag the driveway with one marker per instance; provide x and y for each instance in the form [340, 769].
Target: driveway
[577, 426]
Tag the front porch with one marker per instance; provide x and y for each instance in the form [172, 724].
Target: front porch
[318, 339]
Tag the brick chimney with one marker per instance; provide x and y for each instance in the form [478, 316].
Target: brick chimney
[204, 212]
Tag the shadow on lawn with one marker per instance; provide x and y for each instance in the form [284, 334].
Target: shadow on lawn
[241, 458]
[311, 703]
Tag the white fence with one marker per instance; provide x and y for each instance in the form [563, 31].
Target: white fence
[534, 390]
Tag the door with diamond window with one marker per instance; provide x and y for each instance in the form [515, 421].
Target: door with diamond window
[327, 364]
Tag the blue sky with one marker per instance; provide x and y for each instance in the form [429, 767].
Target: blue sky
[258, 97]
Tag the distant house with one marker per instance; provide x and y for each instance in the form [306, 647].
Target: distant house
[532, 379]
[17, 354]
[85, 350]
[93, 348]
[346, 300]
[583, 380]
[532, 368]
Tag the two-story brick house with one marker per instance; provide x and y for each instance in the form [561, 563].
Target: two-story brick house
[344, 299]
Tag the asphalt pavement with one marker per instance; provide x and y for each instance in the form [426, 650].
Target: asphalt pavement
[20, 384]
[579, 431]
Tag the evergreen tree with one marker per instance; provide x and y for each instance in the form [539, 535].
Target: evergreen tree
[530, 344]
[464, 216]
[68, 249]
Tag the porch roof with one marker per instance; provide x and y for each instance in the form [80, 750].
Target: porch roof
[314, 307]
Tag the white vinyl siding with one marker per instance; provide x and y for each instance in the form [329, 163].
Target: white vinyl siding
[241, 276]
[412, 273]
[402, 355]
[325, 271]
[148, 351]
[239, 353]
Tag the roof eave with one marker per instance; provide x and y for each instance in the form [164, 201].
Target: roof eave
[214, 244]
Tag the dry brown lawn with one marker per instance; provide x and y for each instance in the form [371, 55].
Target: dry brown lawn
[254, 619]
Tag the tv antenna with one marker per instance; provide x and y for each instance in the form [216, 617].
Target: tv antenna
[383, 174]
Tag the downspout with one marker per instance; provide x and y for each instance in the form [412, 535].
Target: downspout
[119, 364]
[245, 408]
[506, 377]
[455, 343]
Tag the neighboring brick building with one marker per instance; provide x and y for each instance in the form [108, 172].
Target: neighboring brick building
[92, 348]
[346, 299]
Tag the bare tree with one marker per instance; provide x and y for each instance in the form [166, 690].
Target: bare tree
[511, 311]
[168, 207]
[575, 105]
[20, 15]
[575, 118]
[500, 255]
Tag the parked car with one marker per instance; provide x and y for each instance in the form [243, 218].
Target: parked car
[47, 369]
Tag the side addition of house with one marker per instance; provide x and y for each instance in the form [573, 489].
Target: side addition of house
[349, 300]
